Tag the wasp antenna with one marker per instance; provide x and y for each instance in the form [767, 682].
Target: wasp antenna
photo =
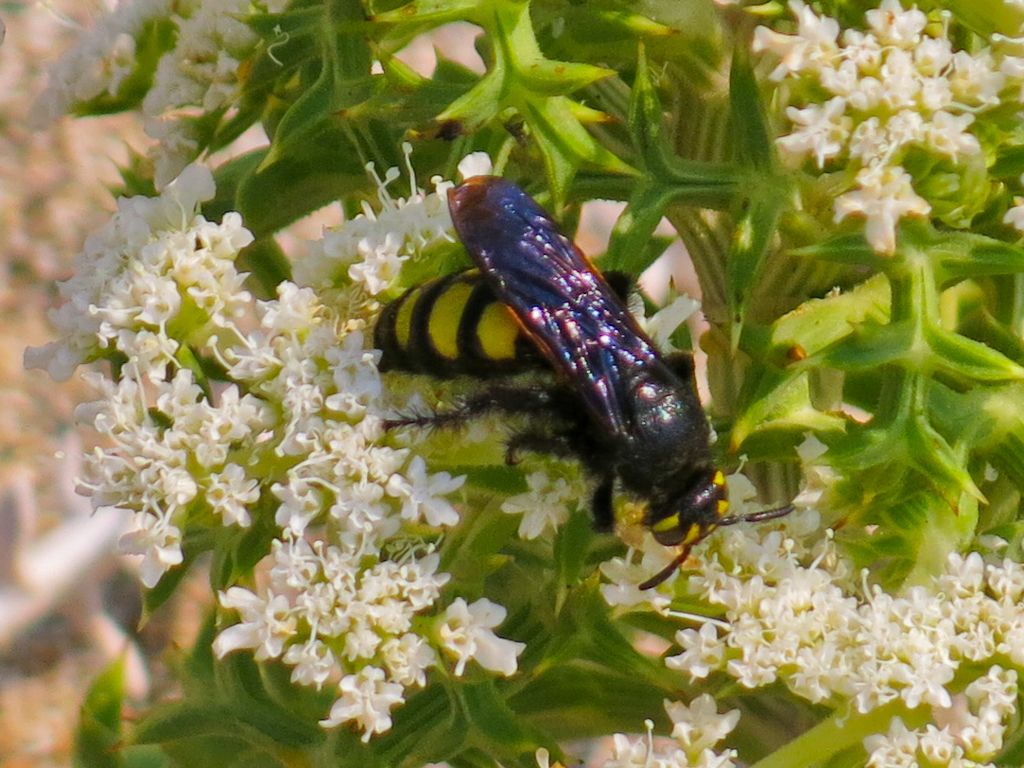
[757, 517]
[668, 570]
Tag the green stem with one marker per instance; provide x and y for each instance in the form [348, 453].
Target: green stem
[838, 733]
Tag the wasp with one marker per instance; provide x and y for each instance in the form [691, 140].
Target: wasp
[630, 415]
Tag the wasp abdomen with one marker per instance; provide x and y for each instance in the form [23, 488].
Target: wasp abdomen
[453, 326]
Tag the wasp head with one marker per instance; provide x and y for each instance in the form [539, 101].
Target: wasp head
[686, 518]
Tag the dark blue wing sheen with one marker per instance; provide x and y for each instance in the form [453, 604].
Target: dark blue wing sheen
[577, 321]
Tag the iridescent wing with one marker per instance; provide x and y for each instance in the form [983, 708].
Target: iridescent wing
[576, 320]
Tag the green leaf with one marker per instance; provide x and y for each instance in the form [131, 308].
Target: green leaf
[98, 734]
[780, 413]
[963, 255]
[1009, 163]
[429, 727]
[579, 700]
[497, 728]
[565, 144]
[688, 181]
[571, 546]
[868, 347]
[634, 229]
[901, 434]
[431, 12]
[970, 361]
[753, 238]
[299, 182]
[753, 137]
[404, 98]
[265, 261]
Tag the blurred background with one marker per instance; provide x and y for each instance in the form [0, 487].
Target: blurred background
[68, 604]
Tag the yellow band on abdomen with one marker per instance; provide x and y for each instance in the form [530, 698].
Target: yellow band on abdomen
[497, 332]
[443, 325]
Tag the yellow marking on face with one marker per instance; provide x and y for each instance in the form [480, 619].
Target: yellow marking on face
[719, 479]
[403, 319]
[497, 332]
[692, 535]
[666, 524]
[443, 324]
[722, 507]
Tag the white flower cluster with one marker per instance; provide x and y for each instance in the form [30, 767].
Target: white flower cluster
[864, 99]
[696, 729]
[171, 462]
[102, 58]
[201, 74]
[351, 592]
[202, 68]
[338, 622]
[153, 264]
[371, 249]
[793, 615]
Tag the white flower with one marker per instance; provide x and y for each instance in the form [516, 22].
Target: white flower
[371, 248]
[896, 749]
[626, 575]
[947, 133]
[1014, 216]
[355, 376]
[177, 145]
[158, 541]
[976, 80]
[202, 70]
[465, 633]
[814, 42]
[702, 653]
[822, 130]
[699, 726]
[475, 164]
[662, 324]
[267, 623]
[230, 493]
[895, 26]
[895, 89]
[99, 61]
[366, 699]
[313, 663]
[544, 507]
[407, 659]
[420, 494]
[295, 312]
[885, 196]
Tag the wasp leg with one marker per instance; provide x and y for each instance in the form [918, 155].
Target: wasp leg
[567, 445]
[601, 506]
[498, 399]
[559, 445]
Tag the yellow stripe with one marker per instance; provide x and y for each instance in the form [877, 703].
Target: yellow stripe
[692, 535]
[497, 332]
[666, 524]
[403, 318]
[719, 479]
[443, 325]
[723, 506]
